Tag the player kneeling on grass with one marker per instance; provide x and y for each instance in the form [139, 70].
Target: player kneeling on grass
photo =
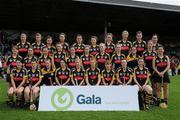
[141, 79]
[124, 74]
[108, 75]
[93, 75]
[32, 89]
[18, 77]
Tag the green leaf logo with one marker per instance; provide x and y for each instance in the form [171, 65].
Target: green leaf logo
[62, 99]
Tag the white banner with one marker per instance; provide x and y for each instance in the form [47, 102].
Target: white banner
[88, 98]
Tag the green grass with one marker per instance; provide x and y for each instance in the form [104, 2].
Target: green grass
[172, 112]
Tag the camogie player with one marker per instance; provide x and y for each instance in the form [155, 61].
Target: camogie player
[48, 73]
[139, 44]
[62, 74]
[85, 58]
[50, 46]
[11, 62]
[125, 43]
[65, 45]
[161, 65]
[23, 45]
[110, 47]
[108, 75]
[117, 57]
[93, 75]
[38, 45]
[78, 74]
[32, 88]
[102, 56]
[148, 56]
[29, 58]
[71, 58]
[141, 79]
[124, 74]
[79, 46]
[44, 56]
[132, 58]
[18, 78]
[155, 42]
[59, 55]
[94, 48]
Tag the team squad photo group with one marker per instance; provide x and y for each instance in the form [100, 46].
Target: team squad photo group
[139, 63]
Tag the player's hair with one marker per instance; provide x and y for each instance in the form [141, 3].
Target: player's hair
[125, 31]
[45, 47]
[30, 48]
[86, 46]
[62, 34]
[49, 37]
[38, 34]
[95, 37]
[23, 34]
[138, 32]
[109, 34]
[58, 43]
[78, 35]
[160, 47]
[155, 35]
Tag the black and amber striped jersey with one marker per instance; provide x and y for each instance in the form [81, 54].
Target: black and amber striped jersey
[71, 62]
[101, 59]
[132, 61]
[140, 47]
[124, 74]
[28, 60]
[148, 58]
[141, 75]
[62, 75]
[116, 60]
[110, 48]
[86, 61]
[65, 47]
[23, 49]
[93, 75]
[125, 47]
[108, 76]
[34, 76]
[51, 50]
[161, 63]
[11, 61]
[156, 46]
[58, 56]
[18, 75]
[42, 60]
[37, 48]
[94, 50]
[78, 76]
[79, 49]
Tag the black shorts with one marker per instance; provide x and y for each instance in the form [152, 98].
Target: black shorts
[158, 79]
[141, 82]
[17, 83]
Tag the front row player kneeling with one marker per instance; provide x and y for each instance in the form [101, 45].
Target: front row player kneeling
[78, 74]
[18, 78]
[141, 79]
[124, 74]
[31, 92]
